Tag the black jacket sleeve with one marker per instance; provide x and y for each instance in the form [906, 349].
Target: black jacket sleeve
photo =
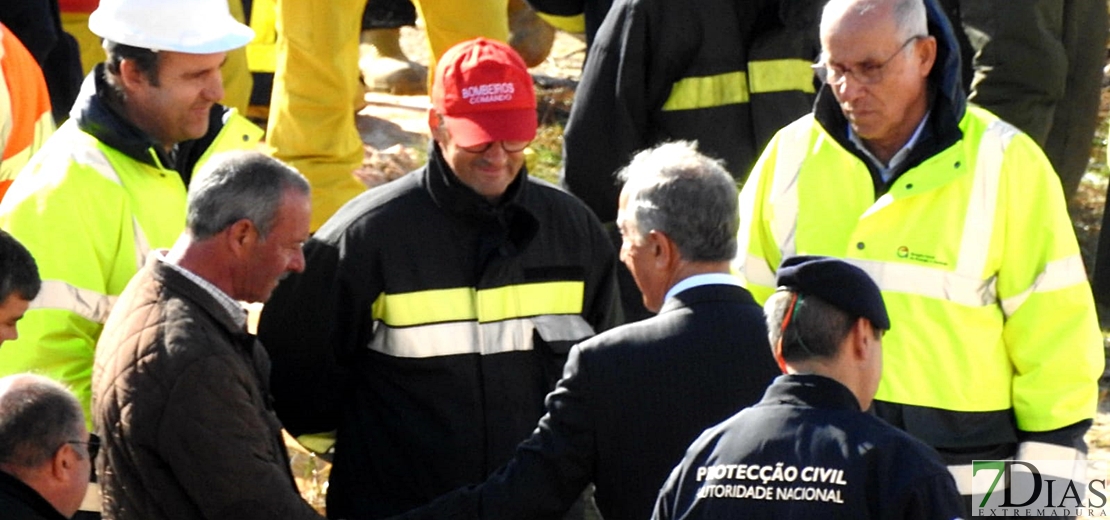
[610, 114]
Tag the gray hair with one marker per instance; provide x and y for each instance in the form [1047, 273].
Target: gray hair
[815, 329]
[909, 15]
[37, 416]
[239, 185]
[18, 272]
[685, 195]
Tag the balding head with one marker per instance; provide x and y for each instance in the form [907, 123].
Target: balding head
[43, 440]
[877, 56]
[908, 15]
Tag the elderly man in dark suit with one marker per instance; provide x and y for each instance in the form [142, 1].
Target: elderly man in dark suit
[632, 398]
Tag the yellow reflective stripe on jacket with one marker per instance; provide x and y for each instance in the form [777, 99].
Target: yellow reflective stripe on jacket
[708, 91]
[89, 304]
[768, 76]
[536, 299]
[472, 337]
[731, 88]
[486, 305]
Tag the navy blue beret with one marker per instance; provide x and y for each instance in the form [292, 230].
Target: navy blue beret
[843, 285]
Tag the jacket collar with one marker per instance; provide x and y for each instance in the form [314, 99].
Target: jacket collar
[810, 391]
[27, 496]
[177, 282]
[451, 194]
[505, 228]
[948, 103]
[246, 342]
[704, 293]
[96, 114]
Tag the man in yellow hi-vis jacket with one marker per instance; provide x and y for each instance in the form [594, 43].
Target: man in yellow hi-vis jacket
[109, 186]
[959, 218]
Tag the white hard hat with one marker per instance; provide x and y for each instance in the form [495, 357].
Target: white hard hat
[190, 26]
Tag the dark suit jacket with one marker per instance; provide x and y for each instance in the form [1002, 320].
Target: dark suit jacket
[630, 402]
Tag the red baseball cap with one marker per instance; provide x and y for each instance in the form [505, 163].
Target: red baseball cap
[484, 92]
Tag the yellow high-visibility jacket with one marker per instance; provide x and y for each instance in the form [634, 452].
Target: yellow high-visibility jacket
[994, 337]
[90, 206]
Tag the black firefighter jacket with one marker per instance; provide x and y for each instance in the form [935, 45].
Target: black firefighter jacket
[427, 327]
[725, 73]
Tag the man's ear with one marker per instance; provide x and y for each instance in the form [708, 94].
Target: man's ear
[662, 248]
[130, 75]
[859, 335]
[927, 54]
[65, 459]
[241, 236]
[435, 124]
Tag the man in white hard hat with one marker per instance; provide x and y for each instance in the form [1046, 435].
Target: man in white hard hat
[109, 186]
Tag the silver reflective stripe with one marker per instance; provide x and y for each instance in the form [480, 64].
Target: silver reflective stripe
[94, 157]
[1053, 460]
[756, 271]
[91, 305]
[1058, 274]
[962, 474]
[964, 286]
[142, 245]
[471, 337]
[1044, 451]
[929, 282]
[1031, 451]
[983, 200]
[791, 153]
[562, 327]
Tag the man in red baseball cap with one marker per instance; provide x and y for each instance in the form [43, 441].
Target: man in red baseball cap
[435, 312]
[482, 97]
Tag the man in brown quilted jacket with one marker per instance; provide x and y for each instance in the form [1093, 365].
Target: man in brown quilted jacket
[180, 388]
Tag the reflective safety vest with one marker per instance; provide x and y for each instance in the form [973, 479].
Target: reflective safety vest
[31, 119]
[89, 214]
[974, 251]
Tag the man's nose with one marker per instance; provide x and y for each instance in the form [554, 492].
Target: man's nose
[297, 263]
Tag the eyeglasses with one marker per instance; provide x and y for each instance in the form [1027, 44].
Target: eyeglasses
[508, 146]
[867, 73]
[92, 446]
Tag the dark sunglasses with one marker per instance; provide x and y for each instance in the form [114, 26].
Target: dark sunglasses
[92, 445]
